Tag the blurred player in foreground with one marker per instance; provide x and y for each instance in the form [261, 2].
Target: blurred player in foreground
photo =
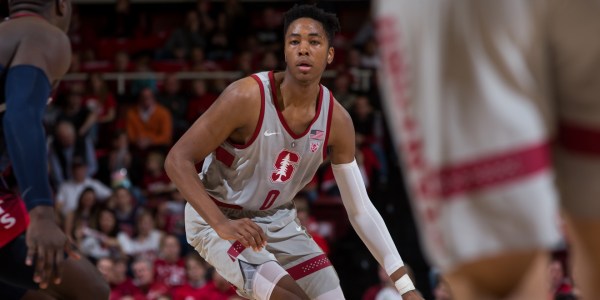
[34, 54]
[486, 98]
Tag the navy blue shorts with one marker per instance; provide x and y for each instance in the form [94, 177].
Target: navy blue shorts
[15, 277]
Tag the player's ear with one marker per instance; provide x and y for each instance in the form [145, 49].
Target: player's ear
[330, 55]
[61, 7]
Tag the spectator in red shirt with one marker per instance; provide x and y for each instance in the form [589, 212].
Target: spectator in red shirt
[195, 268]
[201, 100]
[147, 286]
[169, 268]
[121, 285]
[155, 182]
[218, 289]
[171, 96]
[101, 102]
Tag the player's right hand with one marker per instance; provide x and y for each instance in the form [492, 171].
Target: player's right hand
[46, 246]
[243, 230]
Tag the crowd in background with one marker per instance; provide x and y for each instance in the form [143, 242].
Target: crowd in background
[107, 149]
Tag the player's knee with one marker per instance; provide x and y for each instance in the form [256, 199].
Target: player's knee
[261, 281]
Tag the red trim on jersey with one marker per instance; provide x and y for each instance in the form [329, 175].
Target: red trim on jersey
[235, 250]
[24, 14]
[224, 156]
[329, 114]
[579, 138]
[260, 117]
[308, 267]
[225, 205]
[280, 115]
[492, 171]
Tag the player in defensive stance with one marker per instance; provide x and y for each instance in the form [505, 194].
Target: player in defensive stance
[478, 92]
[262, 141]
[34, 54]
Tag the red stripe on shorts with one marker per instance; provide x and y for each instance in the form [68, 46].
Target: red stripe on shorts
[579, 138]
[235, 250]
[225, 157]
[492, 171]
[308, 267]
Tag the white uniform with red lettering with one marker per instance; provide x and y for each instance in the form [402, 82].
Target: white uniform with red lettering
[258, 181]
[476, 92]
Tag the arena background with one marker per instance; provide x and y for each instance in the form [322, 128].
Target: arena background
[142, 44]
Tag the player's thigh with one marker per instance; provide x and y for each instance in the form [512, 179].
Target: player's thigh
[306, 263]
[513, 275]
[573, 29]
[230, 259]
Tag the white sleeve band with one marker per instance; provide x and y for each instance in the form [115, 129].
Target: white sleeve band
[404, 284]
[365, 219]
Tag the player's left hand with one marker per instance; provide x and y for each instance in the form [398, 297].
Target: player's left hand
[46, 246]
[412, 295]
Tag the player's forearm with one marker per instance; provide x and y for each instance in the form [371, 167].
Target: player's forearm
[369, 225]
[182, 172]
[365, 219]
[27, 91]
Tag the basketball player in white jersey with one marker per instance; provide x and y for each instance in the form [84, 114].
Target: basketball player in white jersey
[485, 98]
[262, 141]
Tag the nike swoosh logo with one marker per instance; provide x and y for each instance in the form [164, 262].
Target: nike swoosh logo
[269, 133]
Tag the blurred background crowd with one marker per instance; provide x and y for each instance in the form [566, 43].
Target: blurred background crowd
[141, 73]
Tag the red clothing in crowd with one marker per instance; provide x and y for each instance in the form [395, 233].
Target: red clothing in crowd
[149, 181]
[125, 288]
[171, 274]
[199, 105]
[187, 292]
[94, 104]
[128, 288]
[154, 290]
[211, 292]
[207, 292]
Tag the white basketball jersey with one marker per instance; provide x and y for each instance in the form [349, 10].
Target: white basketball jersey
[276, 163]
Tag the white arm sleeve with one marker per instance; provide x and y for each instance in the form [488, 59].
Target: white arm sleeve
[365, 219]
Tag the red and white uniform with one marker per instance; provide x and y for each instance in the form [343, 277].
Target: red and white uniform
[276, 163]
[488, 102]
[258, 181]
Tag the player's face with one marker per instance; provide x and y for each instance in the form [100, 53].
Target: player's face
[307, 50]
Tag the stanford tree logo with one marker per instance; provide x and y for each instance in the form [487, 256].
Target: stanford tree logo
[284, 166]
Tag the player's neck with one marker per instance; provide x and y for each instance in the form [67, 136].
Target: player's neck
[294, 92]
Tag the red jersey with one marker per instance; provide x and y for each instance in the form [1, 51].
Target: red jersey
[188, 292]
[14, 218]
[171, 274]
[125, 288]
[211, 292]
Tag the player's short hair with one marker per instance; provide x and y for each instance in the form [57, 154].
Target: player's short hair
[32, 5]
[330, 22]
